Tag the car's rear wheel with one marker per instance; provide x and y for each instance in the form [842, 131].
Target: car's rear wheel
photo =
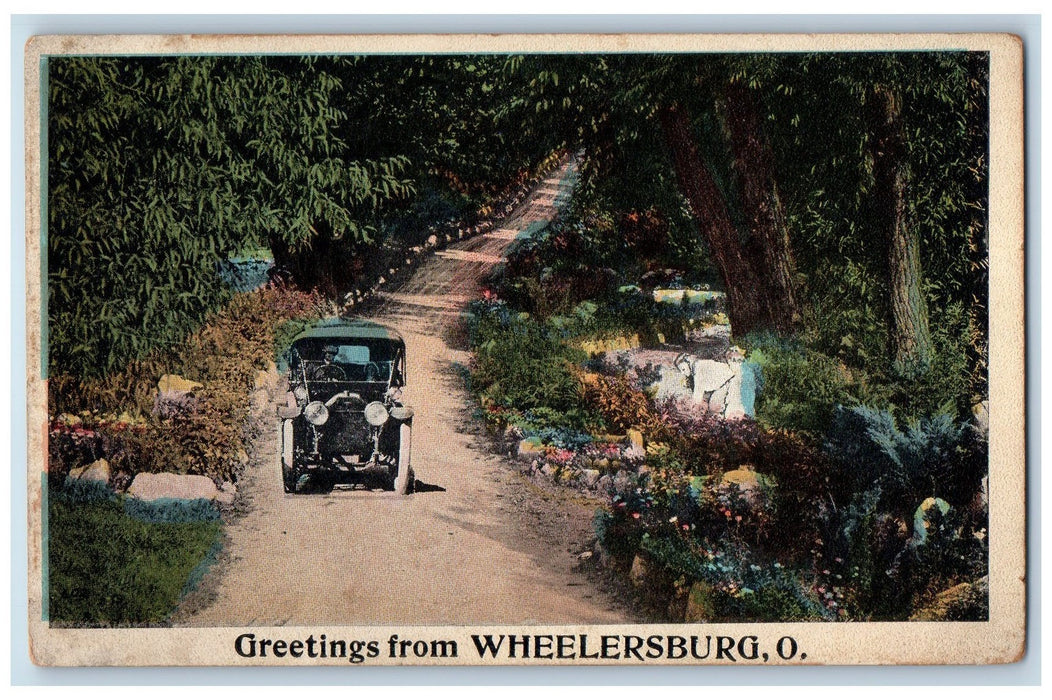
[403, 477]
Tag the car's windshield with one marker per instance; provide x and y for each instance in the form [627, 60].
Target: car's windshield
[346, 359]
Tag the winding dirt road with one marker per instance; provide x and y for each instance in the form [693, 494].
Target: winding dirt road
[477, 543]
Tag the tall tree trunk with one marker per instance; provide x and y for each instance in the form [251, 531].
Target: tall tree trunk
[748, 308]
[910, 337]
[762, 206]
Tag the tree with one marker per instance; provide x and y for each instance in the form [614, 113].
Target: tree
[159, 169]
[909, 335]
[738, 213]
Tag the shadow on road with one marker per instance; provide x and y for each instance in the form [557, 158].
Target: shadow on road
[421, 487]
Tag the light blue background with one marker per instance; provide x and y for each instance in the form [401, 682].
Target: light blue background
[23, 672]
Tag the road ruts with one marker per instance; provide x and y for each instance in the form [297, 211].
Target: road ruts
[475, 544]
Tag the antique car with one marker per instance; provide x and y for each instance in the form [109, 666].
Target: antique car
[344, 420]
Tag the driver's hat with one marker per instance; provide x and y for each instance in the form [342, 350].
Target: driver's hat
[331, 349]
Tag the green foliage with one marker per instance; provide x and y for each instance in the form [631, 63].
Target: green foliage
[107, 568]
[171, 510]
[159, 169]
[799, 388]
[933, 456]
[520, 364]
[75, 492]
[741, 589]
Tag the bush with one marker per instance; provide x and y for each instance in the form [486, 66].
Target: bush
[519, 364]
[742, 589]
[622, 406]
[798, 388]
[932, 457]
[114, 417]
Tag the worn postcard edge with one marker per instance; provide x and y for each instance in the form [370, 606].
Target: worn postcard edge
[1000, 640]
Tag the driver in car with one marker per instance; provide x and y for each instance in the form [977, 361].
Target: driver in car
[328, 369]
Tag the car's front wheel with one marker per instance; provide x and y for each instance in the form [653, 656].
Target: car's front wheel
[402, 483]
[289, 474]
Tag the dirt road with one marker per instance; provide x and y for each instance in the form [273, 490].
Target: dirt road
[476, 544]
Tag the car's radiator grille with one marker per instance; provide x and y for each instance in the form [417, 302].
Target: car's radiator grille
[348, 433]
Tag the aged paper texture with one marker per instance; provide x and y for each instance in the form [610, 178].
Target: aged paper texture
[525, 349]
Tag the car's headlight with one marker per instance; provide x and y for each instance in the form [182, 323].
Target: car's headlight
[316, 413]
[376, 414]
[300, 392]
[402, 413]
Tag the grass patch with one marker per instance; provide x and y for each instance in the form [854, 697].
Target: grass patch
[108, 567]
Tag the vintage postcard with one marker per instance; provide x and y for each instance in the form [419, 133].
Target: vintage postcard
[526, 350]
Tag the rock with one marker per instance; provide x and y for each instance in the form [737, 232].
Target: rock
[590, 477]
[640, 571]
[227, 493]
[531, 447]
[259, 401]
[755, 488]
[710, 376]
[699, 603]
[432, 240]
[965, 601]
[585, 556]
[623, 481]
[604, 484]
[671, 384]
[173, 383]
[668, 296]
[99, 470]
[150, 487]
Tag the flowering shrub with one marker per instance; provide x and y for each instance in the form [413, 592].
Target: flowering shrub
[114, 417]
[622, 406]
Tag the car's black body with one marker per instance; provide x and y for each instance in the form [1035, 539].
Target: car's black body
[344, 419]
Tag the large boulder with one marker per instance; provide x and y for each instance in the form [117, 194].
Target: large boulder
[671, 384]
[151, 487]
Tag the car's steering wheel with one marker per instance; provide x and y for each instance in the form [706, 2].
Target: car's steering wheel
[330, 372]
